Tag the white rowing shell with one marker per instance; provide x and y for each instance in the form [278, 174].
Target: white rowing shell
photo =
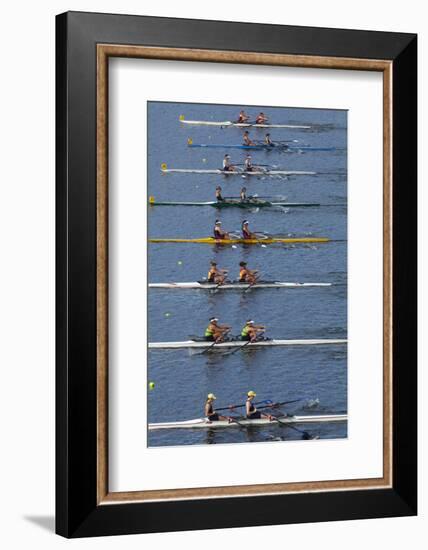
[203, 423]
[239, 343]
[238, 172]
[242, 124]
[228, 286]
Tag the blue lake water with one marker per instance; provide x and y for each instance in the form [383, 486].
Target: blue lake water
[317, 374]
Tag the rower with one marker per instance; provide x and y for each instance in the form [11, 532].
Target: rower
[261, 118]
[250, 409]
[209, 411]
[246, 233]
[216, 275]
[268, 141]
[247, 275]
[248, 165]
[243, 117]
[218, 195]
[251, 331]
[219, 233]
[227, 166]
[215, 332]
[247, 140]
[243, 194]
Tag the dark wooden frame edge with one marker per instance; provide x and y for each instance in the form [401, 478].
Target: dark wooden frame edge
[77, 511]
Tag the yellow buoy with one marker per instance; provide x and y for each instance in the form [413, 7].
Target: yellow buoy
[164, 166]
[190, 141]
[151, 385]
[151, 199]
[181, 117]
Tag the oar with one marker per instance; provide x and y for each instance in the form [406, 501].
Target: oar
[233, 419]
[231, 407]
[270, 404]
[276, 405]
[209, 347]
[240, 347]
[212, 345]
[219, 284]
[305, 434]
[252, 284]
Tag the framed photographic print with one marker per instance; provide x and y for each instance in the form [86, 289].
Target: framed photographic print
[236, 274]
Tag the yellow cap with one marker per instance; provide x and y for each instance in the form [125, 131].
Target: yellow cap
[251, 393]
[211, 396]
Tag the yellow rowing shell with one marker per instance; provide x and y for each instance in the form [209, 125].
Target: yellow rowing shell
[271, 240]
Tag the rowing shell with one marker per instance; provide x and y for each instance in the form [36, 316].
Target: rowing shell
[269, 240]
[238, 172]
[205, 424]
[261, 147]
[229, 123]
[239, 343]
[236, 203]
[231, 286]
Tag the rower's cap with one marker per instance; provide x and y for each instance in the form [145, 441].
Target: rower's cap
[213, 262]
[242, 263]
[245, 222]
[218, 188]
[249, 322]
[213, 319]
[268, 134]
[244, 189]
[211, 396]
[226, 155]
[251, 393]
[217, 222]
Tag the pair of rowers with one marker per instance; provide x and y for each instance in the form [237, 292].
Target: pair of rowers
[251, 411]
[216, 332]
[242, 195]
[249, 143]
[229, 167]
[218, 275]
[220, 234]
[261, 118]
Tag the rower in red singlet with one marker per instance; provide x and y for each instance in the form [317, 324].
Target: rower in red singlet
[243, 117]
[261, 118]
